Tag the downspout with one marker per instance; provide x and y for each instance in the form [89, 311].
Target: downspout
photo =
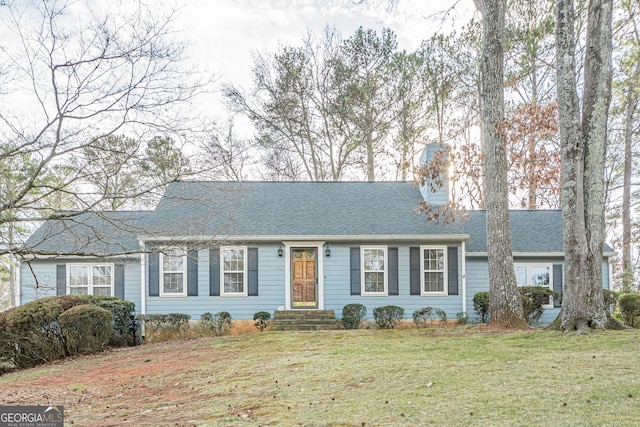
[143, 281]
[17, 284]
[464, 279]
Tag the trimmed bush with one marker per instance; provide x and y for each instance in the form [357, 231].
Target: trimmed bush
[31, 335]
[481, 305]
[121, 311]
[630, 309]
[217, 324]
[262, 320]
[352, 315]
[422, 317]
[461, 318]
[86, 329]
[441, 314]
[388, 316]
[533, 300]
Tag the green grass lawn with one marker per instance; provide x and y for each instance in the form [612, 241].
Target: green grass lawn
[445, 377]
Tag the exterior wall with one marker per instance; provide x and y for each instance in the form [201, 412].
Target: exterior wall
[38, 277]
[441, 194]
[337, 286]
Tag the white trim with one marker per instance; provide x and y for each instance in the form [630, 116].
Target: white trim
[385, 272]
[311, 239]
[245, 272]
[184, 275]
[464, 278]
[445, 275]
[17, 284]
[90, 267]
[143, 279]
[288, 245]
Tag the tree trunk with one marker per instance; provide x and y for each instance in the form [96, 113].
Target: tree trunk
[505, 303]
[632, 101]
[583, 154]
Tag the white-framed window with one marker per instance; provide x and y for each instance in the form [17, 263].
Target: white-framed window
[535, 275]
[233, 270]
[173, 272]
[374, 270]
[90, 279]
[433, 278]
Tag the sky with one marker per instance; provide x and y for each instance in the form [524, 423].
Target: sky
[223, 34]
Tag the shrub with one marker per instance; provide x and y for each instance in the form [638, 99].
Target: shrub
[481, 305]
[533, 300]
[30, 334]
[218, 324]
[121, 311]
[441, 314]
[262, 319]
[461, 318]
[352, 315]
[630, 309]
[86, 329]
[422, 317]
[388, 316]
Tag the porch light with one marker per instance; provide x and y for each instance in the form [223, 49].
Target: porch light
[327, 251]
[280, 251]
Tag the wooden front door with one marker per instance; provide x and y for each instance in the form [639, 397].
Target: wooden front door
[304, 274]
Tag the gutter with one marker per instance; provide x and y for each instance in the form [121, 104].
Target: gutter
[306, 237]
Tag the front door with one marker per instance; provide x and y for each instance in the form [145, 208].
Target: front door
[304, 278]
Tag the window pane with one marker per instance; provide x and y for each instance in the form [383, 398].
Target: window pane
[374, 282]
[433, 282]
[434, 259]
[234, 282]
[172, 260]
[78, 291]
[102, 291]
[78, 276]
[172, 283]
[374, 259]
[540, 275]
[521, 275]
[233, 259]
[102, 275]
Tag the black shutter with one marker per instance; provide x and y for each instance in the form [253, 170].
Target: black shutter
[253, 272]
[557, 283]
[214, 272]
[192, 273]
[118, 281]
[355, 271]
[154, 275]
[61, 279]
[414, 271]
[393, 270]
[452, 269]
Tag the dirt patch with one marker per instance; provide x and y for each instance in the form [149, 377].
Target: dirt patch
[134, 386]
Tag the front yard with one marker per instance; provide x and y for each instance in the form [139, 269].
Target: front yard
[445, 377]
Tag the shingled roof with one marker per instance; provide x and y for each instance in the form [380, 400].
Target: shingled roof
[287, 210]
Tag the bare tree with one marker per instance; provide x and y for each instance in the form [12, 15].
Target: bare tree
[70, 84]
[582, 137]
[505, 303]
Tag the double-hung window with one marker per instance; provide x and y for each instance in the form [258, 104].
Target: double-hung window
[433, 260]
[90, 279]
[535, 275]
[173, 265]
[374, 270]
[234, 270]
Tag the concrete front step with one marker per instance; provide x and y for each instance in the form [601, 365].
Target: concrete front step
[305, 320]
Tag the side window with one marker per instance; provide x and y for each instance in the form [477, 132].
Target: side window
[374, 270]
[90, 279]
[434, 270]
[233, 270]
[173, 272]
